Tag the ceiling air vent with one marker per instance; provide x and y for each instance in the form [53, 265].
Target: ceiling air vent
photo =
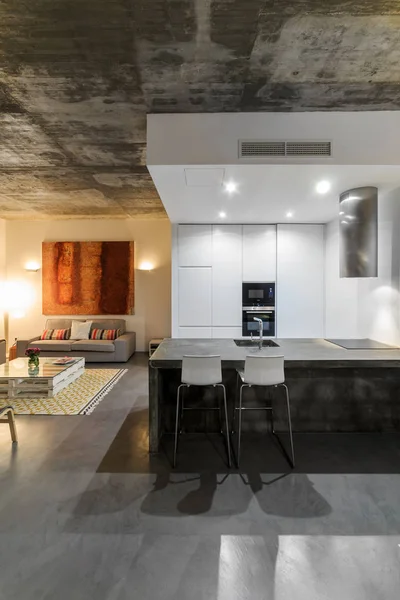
[308, 149]
[271, 149]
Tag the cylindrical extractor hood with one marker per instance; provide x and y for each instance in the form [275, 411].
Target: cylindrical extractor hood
[358, 230]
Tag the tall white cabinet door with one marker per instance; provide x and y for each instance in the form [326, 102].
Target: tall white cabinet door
[194, 245]
[259, 253]
[300, 281]
[227, 276]
[194, 296]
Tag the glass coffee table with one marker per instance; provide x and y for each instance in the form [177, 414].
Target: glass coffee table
[19, 381]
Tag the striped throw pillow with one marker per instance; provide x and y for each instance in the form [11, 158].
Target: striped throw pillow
[56, 334]
[105, 334]
[61, 334]
[46, 335]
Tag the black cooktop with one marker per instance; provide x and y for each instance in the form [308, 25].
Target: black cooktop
[362, 344]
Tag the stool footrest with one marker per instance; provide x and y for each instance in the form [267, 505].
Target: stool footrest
[254, 408]
[200, 408]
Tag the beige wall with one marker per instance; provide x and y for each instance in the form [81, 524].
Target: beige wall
[2, 264]
[152, 289]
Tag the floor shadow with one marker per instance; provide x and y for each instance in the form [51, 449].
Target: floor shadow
[131, 487]
[328, 453]
[290, 495]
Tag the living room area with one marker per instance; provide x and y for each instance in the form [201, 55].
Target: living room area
[59, 275]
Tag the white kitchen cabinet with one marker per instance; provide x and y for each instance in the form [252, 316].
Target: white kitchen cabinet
[259, 253]
[194, 245]
[226, 332]
[195, 332]
[300, 281]
[227, 276]
[194, 296]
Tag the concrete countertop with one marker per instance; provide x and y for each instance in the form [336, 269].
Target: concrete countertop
[310, 353]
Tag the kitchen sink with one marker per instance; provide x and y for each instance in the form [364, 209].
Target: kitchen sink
[254, 343]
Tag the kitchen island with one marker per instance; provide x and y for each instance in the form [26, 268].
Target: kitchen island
[331, 388]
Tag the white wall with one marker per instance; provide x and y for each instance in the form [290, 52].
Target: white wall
[2, 263]
[367, 307]
[152, 316]
[379, 299]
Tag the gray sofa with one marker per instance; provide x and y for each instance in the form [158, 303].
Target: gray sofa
[2, 351]
[119, 350]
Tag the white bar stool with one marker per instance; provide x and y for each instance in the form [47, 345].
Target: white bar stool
[263, 371]
[200, 371]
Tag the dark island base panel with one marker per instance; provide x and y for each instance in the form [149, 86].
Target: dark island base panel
[322, 400]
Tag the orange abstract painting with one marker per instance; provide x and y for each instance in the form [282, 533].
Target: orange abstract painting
[88, 278]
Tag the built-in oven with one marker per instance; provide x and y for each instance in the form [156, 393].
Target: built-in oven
[258, 294]
[250, 327]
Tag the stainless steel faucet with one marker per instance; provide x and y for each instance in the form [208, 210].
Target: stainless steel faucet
[260, 327]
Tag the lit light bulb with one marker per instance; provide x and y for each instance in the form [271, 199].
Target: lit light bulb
[323, 187]
[289, 214]
[32, 265]
[231, 187]
[17, 314]
[222, 214]
[146, 266]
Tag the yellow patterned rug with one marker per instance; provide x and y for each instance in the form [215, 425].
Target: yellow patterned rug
[79, 398]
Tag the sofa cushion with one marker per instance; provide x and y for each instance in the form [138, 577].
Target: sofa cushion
[93, 346]
[96, 324]
[80, 331]
[105, 334]
[56, 334]
[52, 345]
[58, 323]
[109, 324]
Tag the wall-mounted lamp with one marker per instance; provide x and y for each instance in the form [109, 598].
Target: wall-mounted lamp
[32, 266]
[146, 266]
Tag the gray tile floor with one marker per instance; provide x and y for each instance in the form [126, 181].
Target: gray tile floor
[86, 513]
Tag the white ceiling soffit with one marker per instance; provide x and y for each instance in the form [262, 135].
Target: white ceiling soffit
[199, 177]
[266, 193]
[212, 139]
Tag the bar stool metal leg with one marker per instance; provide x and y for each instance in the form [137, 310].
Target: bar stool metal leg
[177, 422]
[240, 421]
[289, 458]
[290, 422]
[235, 404]
[179, 415]
[228, 444]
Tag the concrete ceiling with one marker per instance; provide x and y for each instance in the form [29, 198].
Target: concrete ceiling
[77, 78]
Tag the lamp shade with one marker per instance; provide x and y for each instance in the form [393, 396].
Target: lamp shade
[15, 296]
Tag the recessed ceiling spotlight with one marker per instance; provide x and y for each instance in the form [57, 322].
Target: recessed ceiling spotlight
[230, 187]
[222, 214]
[289, 214]
[323, 187]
